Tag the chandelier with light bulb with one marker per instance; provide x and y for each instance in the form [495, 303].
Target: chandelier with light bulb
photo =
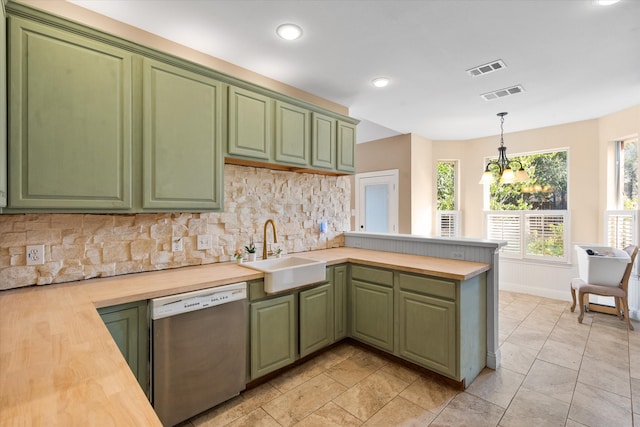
[503, 163]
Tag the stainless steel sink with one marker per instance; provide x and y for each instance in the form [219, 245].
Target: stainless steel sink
[290, 272]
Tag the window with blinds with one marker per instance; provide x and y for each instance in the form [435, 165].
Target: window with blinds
[448, 223]
[506, 227]
[540, 235]
[620, 228]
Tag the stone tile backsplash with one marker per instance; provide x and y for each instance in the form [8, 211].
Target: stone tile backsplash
[83, 246]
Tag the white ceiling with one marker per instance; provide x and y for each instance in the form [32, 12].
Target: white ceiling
[576, 60]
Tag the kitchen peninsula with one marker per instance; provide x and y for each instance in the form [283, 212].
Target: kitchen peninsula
[60, 366]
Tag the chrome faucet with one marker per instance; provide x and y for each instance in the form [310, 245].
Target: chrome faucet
[275, 237]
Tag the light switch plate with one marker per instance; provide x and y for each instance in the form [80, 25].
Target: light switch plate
[204, 242]
[35, 254]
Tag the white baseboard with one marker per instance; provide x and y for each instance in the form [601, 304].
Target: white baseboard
[551, 293]
[563, 295]
[493, 359]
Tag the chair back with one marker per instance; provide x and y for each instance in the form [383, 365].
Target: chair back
[632, 250]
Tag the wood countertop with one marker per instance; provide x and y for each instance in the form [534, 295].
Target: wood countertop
[59, 365]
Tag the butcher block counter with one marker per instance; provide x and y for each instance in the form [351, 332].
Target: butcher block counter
[60, 366]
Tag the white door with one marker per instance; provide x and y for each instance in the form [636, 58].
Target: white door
[377, 201]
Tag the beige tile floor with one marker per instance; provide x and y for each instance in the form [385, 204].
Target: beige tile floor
[555, 372]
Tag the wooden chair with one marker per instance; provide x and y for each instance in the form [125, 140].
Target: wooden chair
[619, 293]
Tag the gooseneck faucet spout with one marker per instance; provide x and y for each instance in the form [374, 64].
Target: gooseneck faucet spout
[275, 237]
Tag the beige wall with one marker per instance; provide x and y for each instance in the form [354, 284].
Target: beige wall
[588, 143]
[422, 188]
[82, 246]
[412, 156]
[581, 140]
[387, 154]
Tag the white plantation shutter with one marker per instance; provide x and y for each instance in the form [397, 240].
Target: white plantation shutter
[530, 234]
[620, 228]
[506, 227]
[541, 230]
[448, 223]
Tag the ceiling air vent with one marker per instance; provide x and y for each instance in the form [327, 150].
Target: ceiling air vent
[501, 93]
[486, 68]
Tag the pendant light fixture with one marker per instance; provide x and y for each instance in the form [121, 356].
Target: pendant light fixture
[507, 176]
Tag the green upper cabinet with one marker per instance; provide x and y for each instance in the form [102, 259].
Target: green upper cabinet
[3, 107]
[323, 142]
[182, 139]
[70, 127]
[293, 134]
[316, 318]
[346, 147]
[250, 124]
[90, 122]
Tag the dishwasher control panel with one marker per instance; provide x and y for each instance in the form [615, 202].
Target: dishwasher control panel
[191, 301]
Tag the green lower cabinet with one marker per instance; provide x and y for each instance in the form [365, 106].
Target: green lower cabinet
[316, 318]
[128, 324]
[273, 334]
[442, 324]
[338, 275]
[428, 332]
[372, 314]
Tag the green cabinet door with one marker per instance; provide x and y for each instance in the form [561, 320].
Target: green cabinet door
[250, 124]
[339, 277]
[273, 334]
[323, 142]
[70, 126]
[128, 324]
[182, 139]
[346, 147]
[427, 332]
[293, 134]
[316, 318]
[372, 314]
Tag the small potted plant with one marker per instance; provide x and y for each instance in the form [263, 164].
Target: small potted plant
[239, 256]
[251, 250]
[278, 252]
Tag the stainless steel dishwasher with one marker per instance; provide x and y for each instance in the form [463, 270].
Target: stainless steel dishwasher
[199, 350]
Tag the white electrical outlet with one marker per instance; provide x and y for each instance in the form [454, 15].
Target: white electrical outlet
[35, 254]
[176, 244]
[204, 242]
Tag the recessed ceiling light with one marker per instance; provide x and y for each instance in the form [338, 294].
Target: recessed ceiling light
[289, 31]
[380, 81]
[605, 2]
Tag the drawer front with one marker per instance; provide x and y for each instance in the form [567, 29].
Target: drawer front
[372, 275]
[428, 285]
